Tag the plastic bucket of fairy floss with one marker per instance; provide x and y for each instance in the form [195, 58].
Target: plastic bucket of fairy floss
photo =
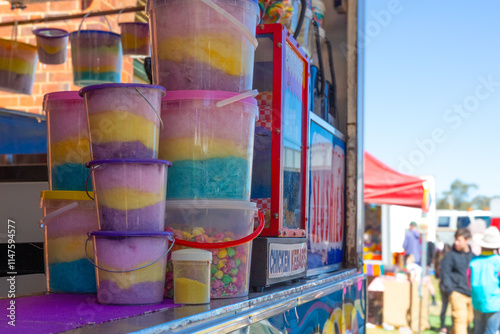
[96, 55]
[226, 229]
[17, 66]
[68, 141]
[209, 138]
[130, 266]
[135, 39]
[211, 50]
[124, 120]
[52, 45]
[68, 217]
[130, 193]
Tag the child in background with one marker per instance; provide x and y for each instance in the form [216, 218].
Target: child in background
[484, 278]
[415, 275]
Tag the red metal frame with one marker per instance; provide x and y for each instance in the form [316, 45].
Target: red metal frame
[281, 38]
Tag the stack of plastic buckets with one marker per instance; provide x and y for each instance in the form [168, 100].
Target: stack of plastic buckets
[68, 212]
[206, 65]
[130, 187]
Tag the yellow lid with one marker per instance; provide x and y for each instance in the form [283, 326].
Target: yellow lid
[66, 195]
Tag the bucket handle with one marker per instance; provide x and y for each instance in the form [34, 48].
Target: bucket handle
[86, 15]
[250, 93]
[172, 240]
[234, 243]
[87, 181]
[156, 112]
[59, 211]
[247, 33]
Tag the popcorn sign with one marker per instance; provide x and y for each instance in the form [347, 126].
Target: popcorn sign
[287, 259]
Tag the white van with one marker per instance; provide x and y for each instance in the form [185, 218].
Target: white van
[448, 221]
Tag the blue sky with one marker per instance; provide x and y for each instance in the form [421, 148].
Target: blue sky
[432, 89]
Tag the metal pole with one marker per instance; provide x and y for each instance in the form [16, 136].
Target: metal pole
[75, 16]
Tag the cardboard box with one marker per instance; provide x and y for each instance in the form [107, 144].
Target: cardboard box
[402, 306]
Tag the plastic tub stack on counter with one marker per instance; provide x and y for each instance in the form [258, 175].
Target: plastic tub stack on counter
[209, 113]
[130, 192]
[68, 212]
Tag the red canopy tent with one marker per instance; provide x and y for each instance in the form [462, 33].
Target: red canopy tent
[384, 185]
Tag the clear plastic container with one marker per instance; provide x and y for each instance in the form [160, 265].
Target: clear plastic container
[191, 276]
[52, 45]
[96, 56]
[196, 47]
[130, 194]
[318, 8]
[17, 66]
[214, 222]
[130, 266]
[135, 39]
[211, 147]
[68, 141]
[305, 32]
[68, 216]
[124, 120]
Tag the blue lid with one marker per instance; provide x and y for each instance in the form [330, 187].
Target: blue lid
[120, 85]
[95, 32]
[127, 161]
[130, 234]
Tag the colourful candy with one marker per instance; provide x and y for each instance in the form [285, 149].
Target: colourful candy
[229, 268]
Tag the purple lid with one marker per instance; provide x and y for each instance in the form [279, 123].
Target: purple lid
[51, 33]
[95, 32]
[120, 85]
[138, 23]
[129, 234]
[205, 95]
[128, 161]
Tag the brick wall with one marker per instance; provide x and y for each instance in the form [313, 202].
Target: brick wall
[52, 78]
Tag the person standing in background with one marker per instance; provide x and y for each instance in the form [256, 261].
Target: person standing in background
[438, 257]
[484, 278]
[412, 243]
[455, 284]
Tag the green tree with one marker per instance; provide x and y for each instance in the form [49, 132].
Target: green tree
[480, 202]
[457, 196]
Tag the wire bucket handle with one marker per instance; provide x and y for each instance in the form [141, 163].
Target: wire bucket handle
[156, 112]
[87, 181]
[227, 244]
[86, 15]
[171, 239]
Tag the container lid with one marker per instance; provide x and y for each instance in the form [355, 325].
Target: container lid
[128, 161]
[210, 204]
[152, 4]
[318, 3]
[130, 234]
[120, 85]
[66, 195]
[61, 96]
[205, 95]
[95, 32]
[191, 255]
[135, 23]
[50, 33]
